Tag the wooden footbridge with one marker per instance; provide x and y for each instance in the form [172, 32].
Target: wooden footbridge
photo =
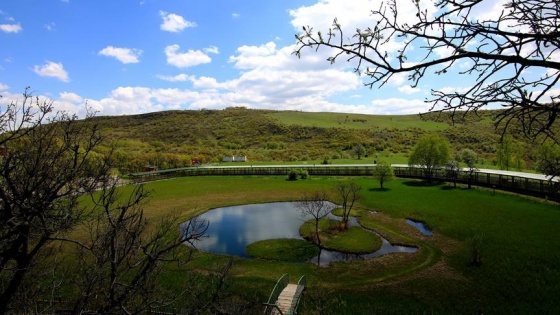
[285, 296]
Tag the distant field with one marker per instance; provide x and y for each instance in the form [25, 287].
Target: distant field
[356, 121]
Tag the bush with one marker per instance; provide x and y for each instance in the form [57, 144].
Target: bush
[297, 173]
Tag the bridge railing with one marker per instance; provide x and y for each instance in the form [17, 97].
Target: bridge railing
[280, 285]
[301, 285]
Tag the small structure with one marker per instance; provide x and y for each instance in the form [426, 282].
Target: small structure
[196, 161]
[235, 158]
[149, 168]
[285, 296]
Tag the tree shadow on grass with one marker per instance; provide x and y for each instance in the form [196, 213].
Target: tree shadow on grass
[414, 183]
[379, 189]
[448, 187]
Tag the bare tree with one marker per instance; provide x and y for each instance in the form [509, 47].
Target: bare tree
[503, 54]
[316, 206]
[121, 257]
[348, 195]
[48, 162]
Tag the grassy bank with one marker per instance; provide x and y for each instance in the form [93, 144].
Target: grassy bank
[517, 238]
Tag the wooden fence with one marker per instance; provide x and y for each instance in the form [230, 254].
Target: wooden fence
[542, 188]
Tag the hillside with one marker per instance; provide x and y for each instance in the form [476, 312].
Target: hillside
[172, 138]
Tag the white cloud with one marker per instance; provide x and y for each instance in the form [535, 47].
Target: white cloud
[212, 50]
[10, 28]
[184, 60]
[50, 26]
[207, 83]
[177, 78]
[174, 23]
[235, 15]
[407, 89]
[254, 56]
[3, 86]
[70, 97]
[124, 55]
[52, 69]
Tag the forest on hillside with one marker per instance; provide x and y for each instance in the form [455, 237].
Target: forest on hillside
[173, 139]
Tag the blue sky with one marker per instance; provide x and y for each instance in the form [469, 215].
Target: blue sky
[137, 56]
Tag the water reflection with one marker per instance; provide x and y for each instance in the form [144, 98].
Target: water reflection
[231, 229]
[421, 226]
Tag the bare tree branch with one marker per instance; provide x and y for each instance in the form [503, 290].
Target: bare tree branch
[502, 53]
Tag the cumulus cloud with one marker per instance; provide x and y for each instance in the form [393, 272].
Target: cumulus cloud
[3, 86]
[52, 69]
[407, 89]
[212, 50]
[11, 28]
[177, 78]
[70, 97]
[124, 55]
[187, 59]
[174, 23]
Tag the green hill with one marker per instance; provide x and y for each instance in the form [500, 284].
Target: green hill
[172, 138]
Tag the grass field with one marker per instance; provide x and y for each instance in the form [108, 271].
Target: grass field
[356, 121]
[517, 237]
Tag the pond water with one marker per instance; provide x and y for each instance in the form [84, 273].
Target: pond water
[231, 229]
[421, 226]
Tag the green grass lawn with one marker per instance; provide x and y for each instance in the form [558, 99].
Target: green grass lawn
[283, 250]
[519, 244]
[355, 121]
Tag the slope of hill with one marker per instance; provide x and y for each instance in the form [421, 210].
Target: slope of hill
[172, 138]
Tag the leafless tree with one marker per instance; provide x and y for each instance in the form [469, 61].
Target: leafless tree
[47, 163]
[120, 258]
[503, 54]
[348, 195]
[317, 206]
[109, 255]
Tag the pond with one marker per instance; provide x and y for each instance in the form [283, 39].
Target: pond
[231, 229]
[420, 226]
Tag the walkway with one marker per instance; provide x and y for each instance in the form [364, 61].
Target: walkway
[285, 296]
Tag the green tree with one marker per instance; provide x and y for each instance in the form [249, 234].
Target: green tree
[510, 154]
[383, 172]
[430, 152]
[359, 150]
[470, 158]
[452, 171]
[548, 159]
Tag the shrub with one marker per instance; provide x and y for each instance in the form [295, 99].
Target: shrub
[297, 173]
[293, 174]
